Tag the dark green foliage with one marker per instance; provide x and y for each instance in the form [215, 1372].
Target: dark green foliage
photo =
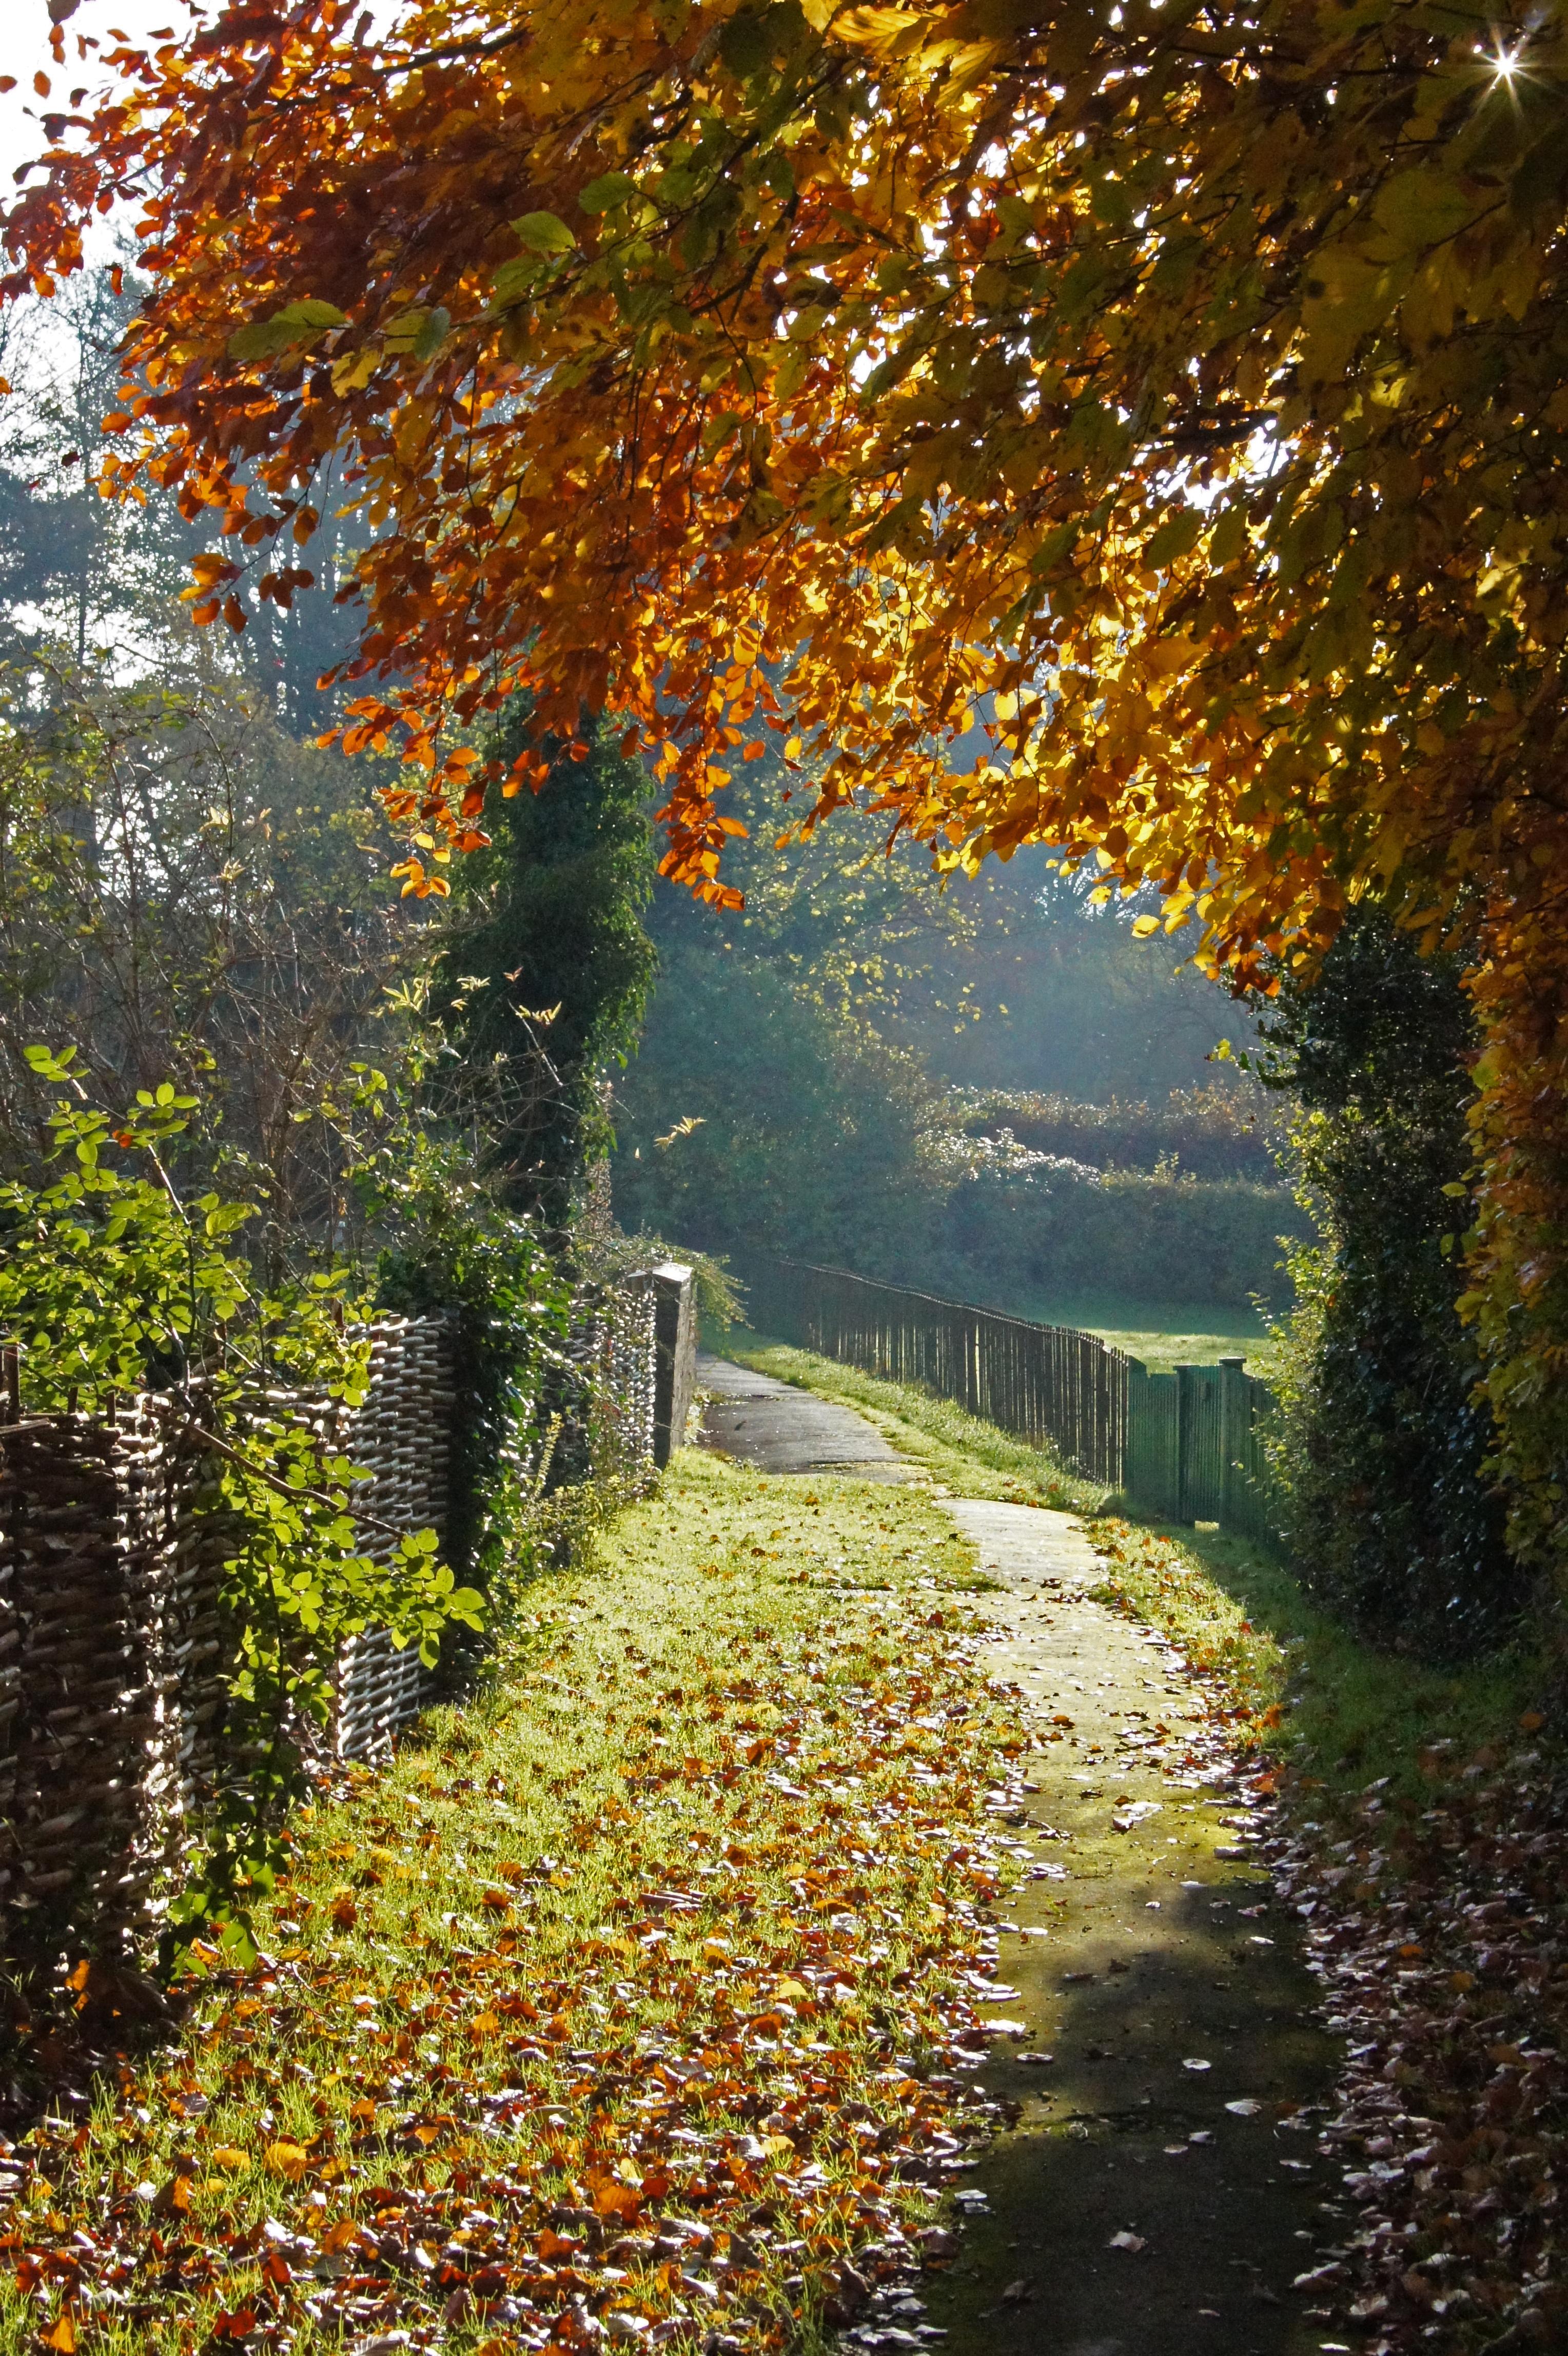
[456, 1252]
[1058, 997]
[1007, 1240]
[546, 970]
[813, 1061]
[1383, 1444]
[756, 1120]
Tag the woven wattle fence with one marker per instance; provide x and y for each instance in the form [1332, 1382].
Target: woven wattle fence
[114, 1663]
[1186, 1445]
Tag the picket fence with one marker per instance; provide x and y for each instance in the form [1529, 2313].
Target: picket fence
[114, 1663]
[1186, 1446]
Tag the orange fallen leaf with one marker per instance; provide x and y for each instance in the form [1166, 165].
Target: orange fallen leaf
[227, 2157]
[613, 2200]
[236, 2325]
[289, 2160]
[62, 2336]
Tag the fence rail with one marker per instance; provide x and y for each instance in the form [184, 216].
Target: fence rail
[1186, 1445]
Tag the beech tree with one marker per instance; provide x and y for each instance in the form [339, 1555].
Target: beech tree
[1138, 428]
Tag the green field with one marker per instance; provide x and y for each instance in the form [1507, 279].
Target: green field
[1163, 1334]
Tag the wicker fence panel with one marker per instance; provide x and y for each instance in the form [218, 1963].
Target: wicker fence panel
[401, 1435]
[108, 1629]
[113, 1652]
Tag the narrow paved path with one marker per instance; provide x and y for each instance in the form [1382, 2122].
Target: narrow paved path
[1156, 2194]
[783, 1429]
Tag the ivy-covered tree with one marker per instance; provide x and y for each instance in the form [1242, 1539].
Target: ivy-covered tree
[546, 970]
[1386, 1441]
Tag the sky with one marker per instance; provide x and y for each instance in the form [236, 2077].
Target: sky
[25, 51]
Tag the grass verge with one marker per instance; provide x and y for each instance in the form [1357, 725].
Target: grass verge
[1317, 1695]
[615, 2010]
[970, 1458]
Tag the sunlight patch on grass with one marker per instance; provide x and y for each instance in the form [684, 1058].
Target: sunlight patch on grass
[633, 1982]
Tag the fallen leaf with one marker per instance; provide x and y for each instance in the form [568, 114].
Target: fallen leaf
[288, 2160]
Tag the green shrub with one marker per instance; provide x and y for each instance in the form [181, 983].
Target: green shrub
[755, 1118]
[1383, 1440]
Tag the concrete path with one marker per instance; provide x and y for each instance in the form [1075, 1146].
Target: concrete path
[1134, 2210]
[780, 1429]
[1158, 2190]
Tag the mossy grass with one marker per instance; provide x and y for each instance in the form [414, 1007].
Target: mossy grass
[1343, 1713]
[517, 1973]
